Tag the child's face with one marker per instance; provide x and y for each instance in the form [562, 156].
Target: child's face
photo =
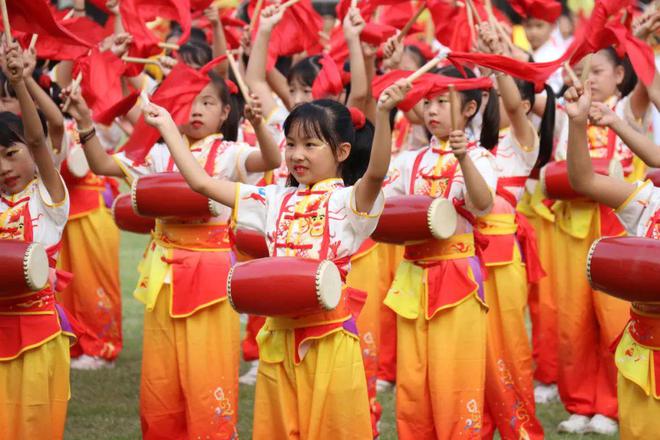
[604, 76]
[17, 168]
[207, 114]
[437, 115]
[299, 92]
[409, 61]
[537, 32]
[9, 104]
[310, 159]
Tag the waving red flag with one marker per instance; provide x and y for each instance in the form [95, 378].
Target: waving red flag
[366, 8]
[177, 10]
[548, 10]
[119, 108]
[328, 82]
[452, 27]
[176, 94]
[101, 79]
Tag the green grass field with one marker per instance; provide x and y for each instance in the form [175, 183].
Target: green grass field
[104, 404]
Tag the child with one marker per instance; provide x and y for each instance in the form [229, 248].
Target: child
[589, 322]
[311, 377]
[546, 45]
[638, 207]
[34, 350]
[438, 292]
[189, 384]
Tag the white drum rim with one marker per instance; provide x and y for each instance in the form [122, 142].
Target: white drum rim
[544, 189]
[444, 228]
[134, 203]
[214, 207]
[113, 207]
[229, 277]
[35, 267]
[590, 254]
[79, 166]
[328, 285]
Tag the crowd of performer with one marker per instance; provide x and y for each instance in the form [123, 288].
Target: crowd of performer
[388, 192]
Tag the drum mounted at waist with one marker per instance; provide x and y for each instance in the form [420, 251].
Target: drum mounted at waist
[555, 182]
[23, 267]
[409, 219]
[126, 218]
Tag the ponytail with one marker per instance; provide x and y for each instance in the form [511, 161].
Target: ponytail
[547, 127]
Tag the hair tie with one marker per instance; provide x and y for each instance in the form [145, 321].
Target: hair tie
[231, 86]
[357, 117]
[45, 81]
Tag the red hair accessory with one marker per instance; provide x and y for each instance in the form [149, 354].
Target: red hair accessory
[357, 117]
[45, 81]
[231, 86]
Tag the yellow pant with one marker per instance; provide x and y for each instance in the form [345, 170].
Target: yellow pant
[90, 250]
[322, 398]
[639, 414]
[441, 373]
[34, 392]
[189, 386]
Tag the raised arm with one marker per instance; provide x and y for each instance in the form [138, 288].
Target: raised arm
[255, 76]
[219, 41]
[223, 191]
[478, 191]
[369, 186]
[603, 189]
[268, 156]
[100, 162]
[353, 25]
[33, 131]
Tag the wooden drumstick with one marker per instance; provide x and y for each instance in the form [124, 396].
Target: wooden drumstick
[586, 67]
[571, 73]
[5, 20]
[453, 107]
[411, 22]
[74, 86]
[354, 3]
[427, 67]
[475, 13]
[239, 78]
[139, 60]
[33, 41]
[255, 14]
[289, 3]
[69, 14]
[171, 46]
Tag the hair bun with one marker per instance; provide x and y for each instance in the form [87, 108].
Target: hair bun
[231, 87]
[357, 117]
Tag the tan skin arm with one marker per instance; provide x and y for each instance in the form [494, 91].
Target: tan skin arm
[477, 189]
[353, 25]
[219, 40]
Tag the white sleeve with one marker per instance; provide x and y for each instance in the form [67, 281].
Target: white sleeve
[636, 211]
[398, 174]
[362, 223]
[155, 162]
[58, 212]
[252, 204]
[485, 163]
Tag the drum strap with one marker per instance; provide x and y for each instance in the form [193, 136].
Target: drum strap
[20, 206]
[448, 174]
[209, 166]
[480, 240]
[654, 226]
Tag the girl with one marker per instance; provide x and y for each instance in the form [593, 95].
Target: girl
[34, 350]
[638, 207]
[511, 258]
[311, 378]
[588, 322]
[189, 384]
[438, 292]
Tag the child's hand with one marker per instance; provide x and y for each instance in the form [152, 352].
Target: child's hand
[270, 16]
[353, 24]
[601, 114]
[578, 102]
[369, 50]
[120, 43]
[491, 39]
[156, 116]
[211, 13]
[29, 62]
[78, 108]
[458, 143]
[253, 111]
[12, 66]
[112, 6]
[392, 52]
[167, 64]
[393, 95]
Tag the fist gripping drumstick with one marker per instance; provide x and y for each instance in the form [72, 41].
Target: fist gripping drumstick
[74, 86]
[428, 66]
[239, 78]
[453, 107]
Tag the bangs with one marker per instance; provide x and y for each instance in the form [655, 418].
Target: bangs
[304, 71]
[306, 121]
[11, 129]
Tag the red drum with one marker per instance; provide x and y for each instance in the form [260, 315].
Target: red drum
[168, 195]
[626, 267]
[127, 220]
[408, 219]
[654, 176]
[250, 243]
[284, 286]
[554, 177]
[77, 163]
[23, 267]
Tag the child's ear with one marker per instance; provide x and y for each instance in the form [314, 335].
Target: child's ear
[469, 109]
[343, 151]
[619, 74]
[527, 106]
[226, 109]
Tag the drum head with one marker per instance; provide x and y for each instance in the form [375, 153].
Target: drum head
[77, 162]
[328, 285]
[442, 218]
[544, 190]
[134, 203]
[214, 207]
[589, 255]
[35, 267]
[615, 169]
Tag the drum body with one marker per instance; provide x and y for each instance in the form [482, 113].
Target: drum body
[284, 286]
[626, 267]
[556, 185]
[77, 163]
[250, 243]
[168, 195]
[654, 176]
[408, 219]
[23, 267]
[127, 220]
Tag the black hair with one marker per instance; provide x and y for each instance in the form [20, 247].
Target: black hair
[331, 122]
[416, 53]
[629, 76]
[11, 130]
[547, 127]
[490, 128]
[305, 71]
[196, 34]
[196, 53]
[229, 128]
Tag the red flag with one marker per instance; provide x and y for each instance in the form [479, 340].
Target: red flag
[101, 79]
[366, 8]
[177, 10]
[200, 5]
[427, 86]
[452, 28]
[176, 94]
[328, 82]
[548, 10]
[145, 43]
[397, 15]
[36, 17]
[120, 108]
[376, 33]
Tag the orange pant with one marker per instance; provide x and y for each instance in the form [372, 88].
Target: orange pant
[509, 383]
[441, 367]
[90, 250]
[322, 398]
[189, 386]
[34, 392]
[589, 322]
[387, 318]
[249, 344]
[543, 307]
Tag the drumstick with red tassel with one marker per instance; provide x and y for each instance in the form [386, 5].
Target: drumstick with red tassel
[411, 22]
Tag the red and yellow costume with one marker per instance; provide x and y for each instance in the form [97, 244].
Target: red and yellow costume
[34, 331]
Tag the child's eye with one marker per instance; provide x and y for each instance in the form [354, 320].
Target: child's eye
[11, 153]
[310, 145]
[289, 145]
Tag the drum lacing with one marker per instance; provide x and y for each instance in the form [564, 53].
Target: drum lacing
[592, 249]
